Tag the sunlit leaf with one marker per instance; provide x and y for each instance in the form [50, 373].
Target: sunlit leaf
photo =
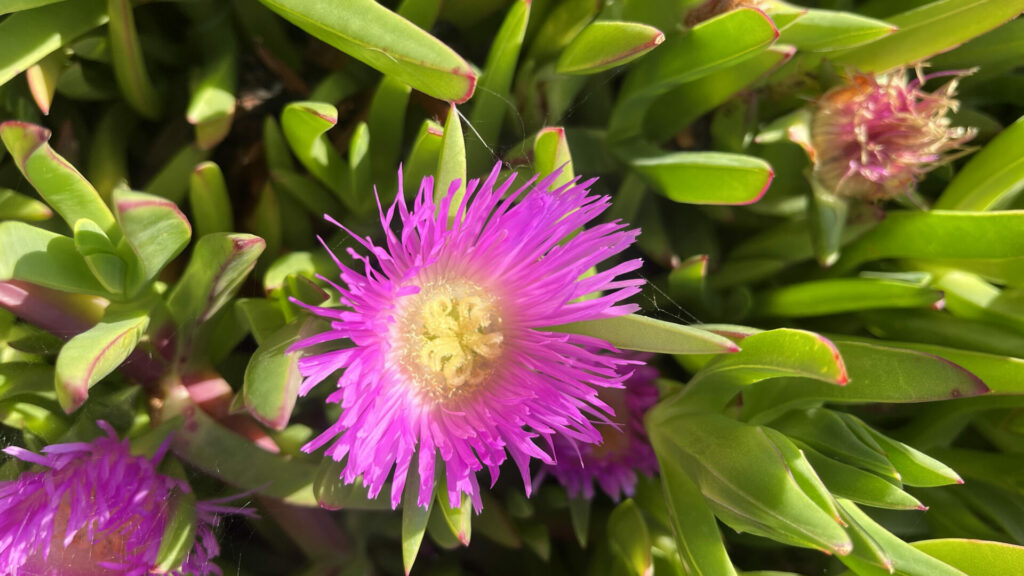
[993, 177]
[42, 79]
[706, 177]
[414, 519]
[423, 157]
[220, 263]
[634, 332]
[304, 125]
[827, 30]
[746, 479]
[129, 64]
[944, 235]
[828, 432]
[876, 374]
[458, 519]
[272, 377]
[212, 106]
[63, 187]
[606, 44]
[386, 124]
[451, 164]
[629, 539]
[929, 30]
[155, 231]
[42, 257]
[208, 198]
[550, 153]
[835, 296]
[101, 256]
[92, 355]
[14, 206]
[203, 442]
[975, 557]
[901, 557]
[846, 481]
[490, 105]
[709, 46]
[681, 106]
[179, 534]
[30, 35]
[698, 541]
[373, 34]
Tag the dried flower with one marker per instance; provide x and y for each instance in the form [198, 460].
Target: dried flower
[450, 352]
[95, 509]
[625, 449]
[875, 137]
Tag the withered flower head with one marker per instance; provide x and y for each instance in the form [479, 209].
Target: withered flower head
[874, 138]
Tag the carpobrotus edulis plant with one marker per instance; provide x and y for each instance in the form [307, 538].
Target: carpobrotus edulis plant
[828, 338]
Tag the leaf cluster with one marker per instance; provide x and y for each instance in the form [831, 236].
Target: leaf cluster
[837, 376]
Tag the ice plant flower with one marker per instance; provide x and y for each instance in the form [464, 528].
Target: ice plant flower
[450, 349]
[624, 451]
[95, 509]
[874, 138]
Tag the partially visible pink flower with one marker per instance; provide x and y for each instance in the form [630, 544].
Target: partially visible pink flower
[625, 449]
[874, 138]
[446, 332]
[94, 509]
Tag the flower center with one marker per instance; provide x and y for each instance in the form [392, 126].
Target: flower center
[453, 337]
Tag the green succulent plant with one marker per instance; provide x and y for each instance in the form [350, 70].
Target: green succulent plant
[841, 382]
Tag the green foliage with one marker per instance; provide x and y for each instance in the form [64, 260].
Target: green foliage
[605, 44]
[993, 177]
[180, 534]
[632, 332]
[414, 520]
[92, 355]
[384, 40]
[846, 376]
[930, 29]
[628, 538]
[706, 177]
[272, 377]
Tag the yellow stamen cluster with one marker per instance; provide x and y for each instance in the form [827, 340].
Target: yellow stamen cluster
[452, 338]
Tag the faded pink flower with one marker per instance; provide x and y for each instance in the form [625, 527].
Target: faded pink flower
[625, 449]
[874, 138]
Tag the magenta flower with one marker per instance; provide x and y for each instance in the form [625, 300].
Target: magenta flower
[625, 450]
[875, 138]
[450, 351]
[94, 509]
